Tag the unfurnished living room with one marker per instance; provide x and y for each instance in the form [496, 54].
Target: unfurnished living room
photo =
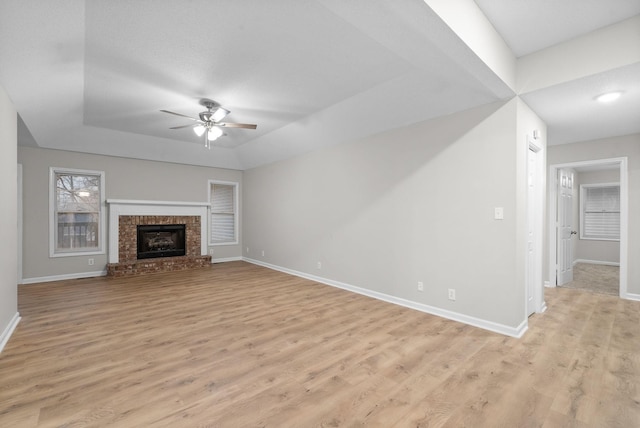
[320, 213]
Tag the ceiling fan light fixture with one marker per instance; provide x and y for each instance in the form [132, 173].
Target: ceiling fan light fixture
[214, 133]
[199, 130]
[608, 97]
[219, 114]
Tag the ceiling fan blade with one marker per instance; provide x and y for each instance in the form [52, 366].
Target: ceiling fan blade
[181, 115]
[236, 125]
[183, 126]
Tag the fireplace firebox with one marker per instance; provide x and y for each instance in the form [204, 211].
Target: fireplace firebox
[161, 240]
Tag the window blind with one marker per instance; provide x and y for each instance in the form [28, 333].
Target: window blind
[601, 212]
[223, 216]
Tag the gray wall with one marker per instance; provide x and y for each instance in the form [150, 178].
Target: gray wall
[624, 146]
[589, 249]
[8, 215]
[125, 179]
[381, 213]
[413, 204]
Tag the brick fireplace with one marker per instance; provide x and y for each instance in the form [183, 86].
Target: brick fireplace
[124, 218]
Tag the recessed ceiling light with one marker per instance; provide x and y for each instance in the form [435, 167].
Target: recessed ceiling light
[608, 97]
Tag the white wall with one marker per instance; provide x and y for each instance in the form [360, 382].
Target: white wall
[125, 179]
[624, 146]
[8, 218]
[589, 249]
[413, 204]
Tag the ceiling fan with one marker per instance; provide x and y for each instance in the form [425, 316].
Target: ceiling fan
[209, 123]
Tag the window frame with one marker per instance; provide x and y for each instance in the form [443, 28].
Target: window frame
[582, 204]
[236, 211]
[53, 250]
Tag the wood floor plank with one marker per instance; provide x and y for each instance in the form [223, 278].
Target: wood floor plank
[240, 345]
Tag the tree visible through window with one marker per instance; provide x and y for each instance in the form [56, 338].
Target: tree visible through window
[77, 211]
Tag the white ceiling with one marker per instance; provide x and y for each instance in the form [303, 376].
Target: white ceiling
[92, 76]
[579, 117]
[530, 25]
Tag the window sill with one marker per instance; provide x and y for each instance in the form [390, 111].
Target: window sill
[219, 244]
[589, 238]
[77, 253]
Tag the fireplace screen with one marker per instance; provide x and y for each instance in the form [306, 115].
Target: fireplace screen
[161, 240]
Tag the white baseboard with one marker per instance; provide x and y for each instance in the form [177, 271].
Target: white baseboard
[631, 296]
[226, 259]
[99, 273]
[64, 277]
[595, 262]
[543, 308]
[454, 316]
[8, 331]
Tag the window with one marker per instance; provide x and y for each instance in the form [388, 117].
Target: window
[75, 212]
[223, 222]
[600, 211]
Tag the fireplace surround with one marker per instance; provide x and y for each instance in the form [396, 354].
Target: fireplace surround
[124, 218]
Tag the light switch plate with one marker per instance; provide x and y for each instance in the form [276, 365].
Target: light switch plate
[498, 213]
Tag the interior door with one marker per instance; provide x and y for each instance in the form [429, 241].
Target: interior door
[564, 227]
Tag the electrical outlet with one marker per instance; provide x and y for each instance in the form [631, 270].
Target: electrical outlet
[319, 265]
[247, 250]
[452, 294]
[91, 262]
[262, 253]
[420, 286]
[211, 251]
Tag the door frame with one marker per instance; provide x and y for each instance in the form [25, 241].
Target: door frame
[20, 230]
[622, 163]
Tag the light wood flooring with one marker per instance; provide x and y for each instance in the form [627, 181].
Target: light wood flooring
[237, 345]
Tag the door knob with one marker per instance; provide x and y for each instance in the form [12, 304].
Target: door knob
[573, 232]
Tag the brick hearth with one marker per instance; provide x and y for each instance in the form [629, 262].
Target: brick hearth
[128, 264]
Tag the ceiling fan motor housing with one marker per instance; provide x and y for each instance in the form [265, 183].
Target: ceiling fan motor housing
[205, 116]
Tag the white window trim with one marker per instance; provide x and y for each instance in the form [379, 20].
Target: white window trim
[236, 198]
[52, 220]
[583, 191]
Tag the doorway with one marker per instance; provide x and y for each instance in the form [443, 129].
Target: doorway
[555, 229]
